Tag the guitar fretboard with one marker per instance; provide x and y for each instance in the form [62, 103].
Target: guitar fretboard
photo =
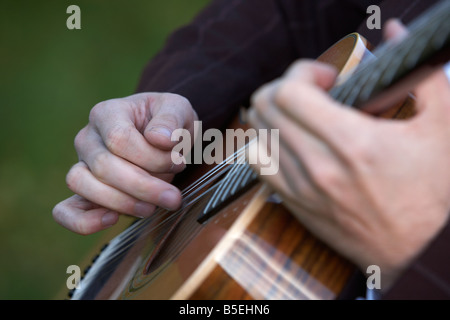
[428, 34]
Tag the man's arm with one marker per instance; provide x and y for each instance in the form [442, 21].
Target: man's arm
[213, 65]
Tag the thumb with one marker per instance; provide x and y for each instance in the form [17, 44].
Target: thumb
[168, 113]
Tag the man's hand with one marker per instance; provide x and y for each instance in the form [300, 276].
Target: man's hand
[125, 164]
[376, 190]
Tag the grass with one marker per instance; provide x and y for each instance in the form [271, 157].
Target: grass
[50, 79]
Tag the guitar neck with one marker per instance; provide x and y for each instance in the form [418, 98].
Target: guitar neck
[428, 36]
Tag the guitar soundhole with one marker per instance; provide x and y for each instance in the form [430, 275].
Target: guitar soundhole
[155, 263]
[180, 232]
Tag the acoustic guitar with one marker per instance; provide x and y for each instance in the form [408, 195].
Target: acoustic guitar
[233, 238]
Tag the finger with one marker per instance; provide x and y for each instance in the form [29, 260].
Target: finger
[395, 31]
[286, 180]
[314, 72]
[291, 182]
[297, 149]
[82, 216]
[168, 113]
[308, 163]
[433, 96]
[310, 107]
[125, 176]
[116, 123]
[81, 181]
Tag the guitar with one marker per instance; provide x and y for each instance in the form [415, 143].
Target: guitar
[233, 238]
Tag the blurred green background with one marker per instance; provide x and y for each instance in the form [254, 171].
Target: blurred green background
[50, 79]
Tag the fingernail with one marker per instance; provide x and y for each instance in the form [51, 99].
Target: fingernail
[109, 219]
[143, 209]
[447, 71]
[161, 130]
[169, 199]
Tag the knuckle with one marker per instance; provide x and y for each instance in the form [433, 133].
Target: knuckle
[326, 178]
[82, 227]
[57, 212]
[261, 99]
[167, 121]
[99, 165]
[96, 111]
[299, 67]
[181, 102]
[126, 206]
[144, 189]
[286, 93]
[359, 154]
[178, 99]
[80, 139]
[117, 139]
[74, 177]
[161, 164]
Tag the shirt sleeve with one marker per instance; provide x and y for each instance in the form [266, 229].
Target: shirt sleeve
[234, 46]
[428, 277]
[217, 61]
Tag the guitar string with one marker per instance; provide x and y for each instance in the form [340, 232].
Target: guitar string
[203, 180]
[173, 215]
[207, 178]
[135, 228]
[360, 91]
[186, 235]
[108, 264]
[188, 232]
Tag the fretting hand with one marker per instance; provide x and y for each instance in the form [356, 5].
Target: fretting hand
[376, 190]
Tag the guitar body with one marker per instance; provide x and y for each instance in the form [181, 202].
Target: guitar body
[253, 248]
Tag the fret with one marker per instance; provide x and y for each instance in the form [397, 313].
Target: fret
[225, 183]
[241, 181]
[241, 167]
